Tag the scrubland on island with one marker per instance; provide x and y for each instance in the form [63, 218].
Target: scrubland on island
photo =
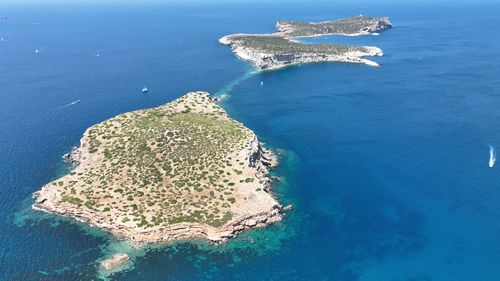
[178, 171]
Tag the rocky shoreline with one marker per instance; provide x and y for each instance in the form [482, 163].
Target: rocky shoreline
[253, 208]
[270, 61]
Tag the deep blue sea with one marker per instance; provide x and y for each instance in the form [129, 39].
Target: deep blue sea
[387, 168]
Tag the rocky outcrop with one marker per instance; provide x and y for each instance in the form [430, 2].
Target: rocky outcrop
[75, 156]
[379, 25]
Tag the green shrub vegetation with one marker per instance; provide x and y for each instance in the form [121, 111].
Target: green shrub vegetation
[163, 166]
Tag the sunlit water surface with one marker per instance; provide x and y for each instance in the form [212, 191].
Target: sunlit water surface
[387, 167]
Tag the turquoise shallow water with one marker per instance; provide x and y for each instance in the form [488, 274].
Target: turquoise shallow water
[387, 167]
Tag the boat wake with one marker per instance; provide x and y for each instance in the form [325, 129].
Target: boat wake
[493, 156]
[224, 91]
[70, 104]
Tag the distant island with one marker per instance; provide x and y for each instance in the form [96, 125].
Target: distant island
[178, 171]
[277, 50]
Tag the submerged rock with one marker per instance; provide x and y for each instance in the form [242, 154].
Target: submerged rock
[115, 262]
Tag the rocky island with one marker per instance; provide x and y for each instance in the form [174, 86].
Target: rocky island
[277, 50]
[178, 171]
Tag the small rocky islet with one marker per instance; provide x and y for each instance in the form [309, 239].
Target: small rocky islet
[179, 171]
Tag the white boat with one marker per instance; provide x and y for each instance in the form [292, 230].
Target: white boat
[261, 83]
[493, 157]
[145, 89]
[37, 51]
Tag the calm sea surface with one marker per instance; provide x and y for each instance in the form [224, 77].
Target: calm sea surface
[387, 167]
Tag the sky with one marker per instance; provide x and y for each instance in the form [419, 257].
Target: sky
[309, 2]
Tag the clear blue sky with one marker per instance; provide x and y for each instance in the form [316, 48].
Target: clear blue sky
[246, 1]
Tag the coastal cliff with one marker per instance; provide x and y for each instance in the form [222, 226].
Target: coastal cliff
[179, 171]
[277, 50]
